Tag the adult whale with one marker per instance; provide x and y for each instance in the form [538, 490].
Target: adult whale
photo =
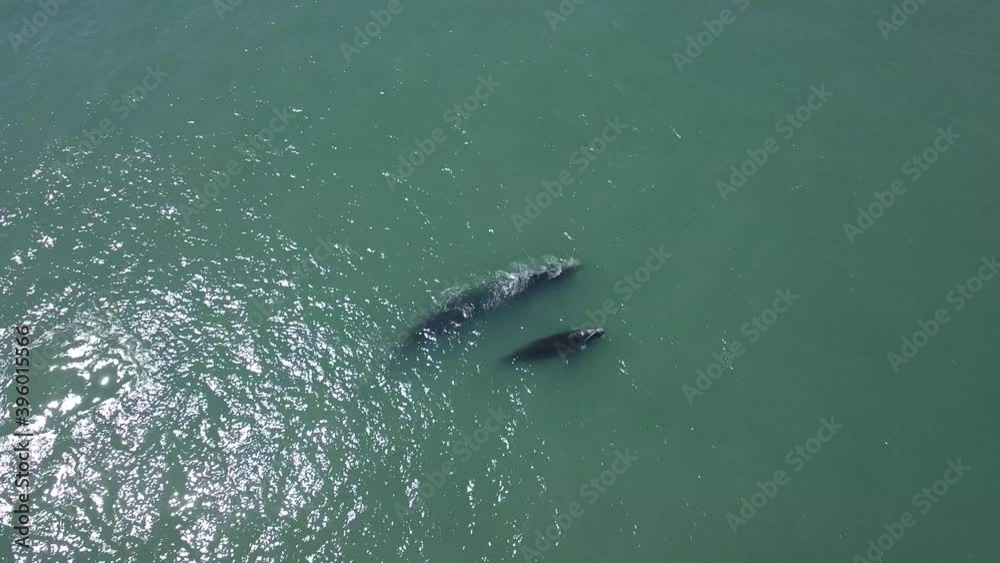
[558, 344]
[486, 297]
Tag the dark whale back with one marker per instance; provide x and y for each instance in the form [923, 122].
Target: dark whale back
[474, 302]
[455, 311]
[558, 344]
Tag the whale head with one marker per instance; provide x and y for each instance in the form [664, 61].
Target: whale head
[589, 335]
[561, 268]
[570, 265]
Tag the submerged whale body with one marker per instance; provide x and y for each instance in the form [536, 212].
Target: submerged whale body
[480, 299]
[558, 344]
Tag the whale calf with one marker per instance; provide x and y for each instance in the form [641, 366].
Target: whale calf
[491, 295]
[560, 344]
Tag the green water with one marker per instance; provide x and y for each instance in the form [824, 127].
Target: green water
[175, 422]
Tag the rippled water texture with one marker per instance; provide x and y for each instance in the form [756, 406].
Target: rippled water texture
[218, 373]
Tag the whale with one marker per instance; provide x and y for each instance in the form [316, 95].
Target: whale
[560, 344]
[488, 296]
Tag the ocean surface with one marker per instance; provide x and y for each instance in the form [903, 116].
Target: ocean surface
[220, 220]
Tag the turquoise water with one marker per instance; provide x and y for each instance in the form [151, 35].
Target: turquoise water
[217, 376]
